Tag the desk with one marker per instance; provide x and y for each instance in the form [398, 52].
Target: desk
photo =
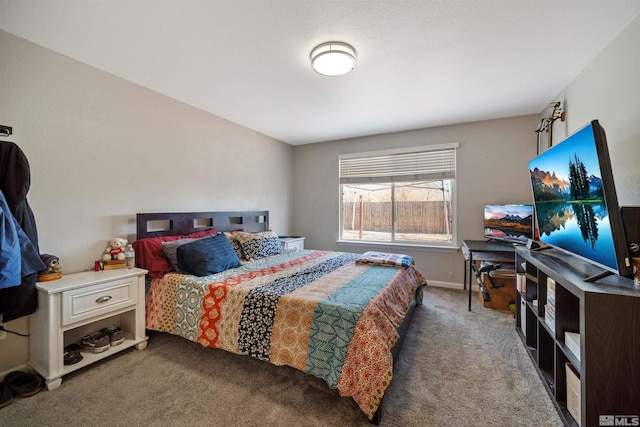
[480, 250]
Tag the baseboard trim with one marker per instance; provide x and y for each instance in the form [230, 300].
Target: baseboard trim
[451, 285]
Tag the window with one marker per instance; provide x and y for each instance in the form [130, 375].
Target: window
[403, 196]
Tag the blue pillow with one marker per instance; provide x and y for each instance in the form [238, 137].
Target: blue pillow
[207, 256]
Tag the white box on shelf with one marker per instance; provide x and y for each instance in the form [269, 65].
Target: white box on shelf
[522, 282]
[572, 341]
[550, 317]
[551, 292]
[573, 393]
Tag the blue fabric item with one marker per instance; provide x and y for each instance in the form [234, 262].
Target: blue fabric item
[207, 256]
[10, 258]
[18, 257]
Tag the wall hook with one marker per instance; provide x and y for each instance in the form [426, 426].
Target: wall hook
[5, 130]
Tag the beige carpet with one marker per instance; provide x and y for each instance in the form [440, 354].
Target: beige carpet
[457, 368]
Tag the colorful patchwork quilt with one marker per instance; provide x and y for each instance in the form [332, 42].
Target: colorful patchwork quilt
[317, 311]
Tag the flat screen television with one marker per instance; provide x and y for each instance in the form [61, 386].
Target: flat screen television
[576, 206]
[509, 223]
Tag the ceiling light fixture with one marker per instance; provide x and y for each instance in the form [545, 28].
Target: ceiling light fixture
[333, 58]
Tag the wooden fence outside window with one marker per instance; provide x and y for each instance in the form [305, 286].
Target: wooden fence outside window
[411, 217]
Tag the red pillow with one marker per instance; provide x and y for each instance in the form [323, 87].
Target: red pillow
[149, 254]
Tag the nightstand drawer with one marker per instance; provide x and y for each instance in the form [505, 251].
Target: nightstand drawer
[87, 302]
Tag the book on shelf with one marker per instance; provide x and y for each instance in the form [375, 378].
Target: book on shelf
[110, 265]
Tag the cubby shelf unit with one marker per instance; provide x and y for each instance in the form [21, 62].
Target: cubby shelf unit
[605, 314]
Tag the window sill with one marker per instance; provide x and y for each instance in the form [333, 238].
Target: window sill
[400, 246]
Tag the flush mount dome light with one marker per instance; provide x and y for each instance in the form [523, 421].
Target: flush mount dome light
[333, 58]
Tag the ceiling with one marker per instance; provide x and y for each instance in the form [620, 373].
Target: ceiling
[420, 63]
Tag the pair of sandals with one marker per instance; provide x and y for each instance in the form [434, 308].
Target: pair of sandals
[19, 384]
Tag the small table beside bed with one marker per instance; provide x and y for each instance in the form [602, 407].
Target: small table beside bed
[222, 279]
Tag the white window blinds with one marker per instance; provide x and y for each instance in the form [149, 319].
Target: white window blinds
[410, 164]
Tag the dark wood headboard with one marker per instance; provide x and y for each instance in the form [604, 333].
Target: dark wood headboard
[171, 224]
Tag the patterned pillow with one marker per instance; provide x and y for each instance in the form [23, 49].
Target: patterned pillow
[234, 243]
[259, 245]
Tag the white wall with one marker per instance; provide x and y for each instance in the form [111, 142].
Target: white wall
[609, 90]
[102, 149]
[491, 169]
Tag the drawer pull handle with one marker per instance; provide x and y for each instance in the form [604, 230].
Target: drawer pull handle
[103, 299]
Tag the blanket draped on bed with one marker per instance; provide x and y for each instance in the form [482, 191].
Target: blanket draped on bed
[384, 258]
[317, 311]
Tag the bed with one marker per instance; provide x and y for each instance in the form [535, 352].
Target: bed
[338, 316]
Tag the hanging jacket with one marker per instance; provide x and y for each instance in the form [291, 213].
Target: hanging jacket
[15, 179]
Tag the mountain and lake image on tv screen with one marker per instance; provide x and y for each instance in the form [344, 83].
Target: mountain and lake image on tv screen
[513, 223]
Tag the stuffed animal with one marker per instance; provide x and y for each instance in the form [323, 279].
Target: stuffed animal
[52, 262]
[115, 250]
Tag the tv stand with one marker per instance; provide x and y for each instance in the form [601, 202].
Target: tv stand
[603, 313]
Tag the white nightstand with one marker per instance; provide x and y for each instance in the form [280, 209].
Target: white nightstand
[80, 304]
[292, 242]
